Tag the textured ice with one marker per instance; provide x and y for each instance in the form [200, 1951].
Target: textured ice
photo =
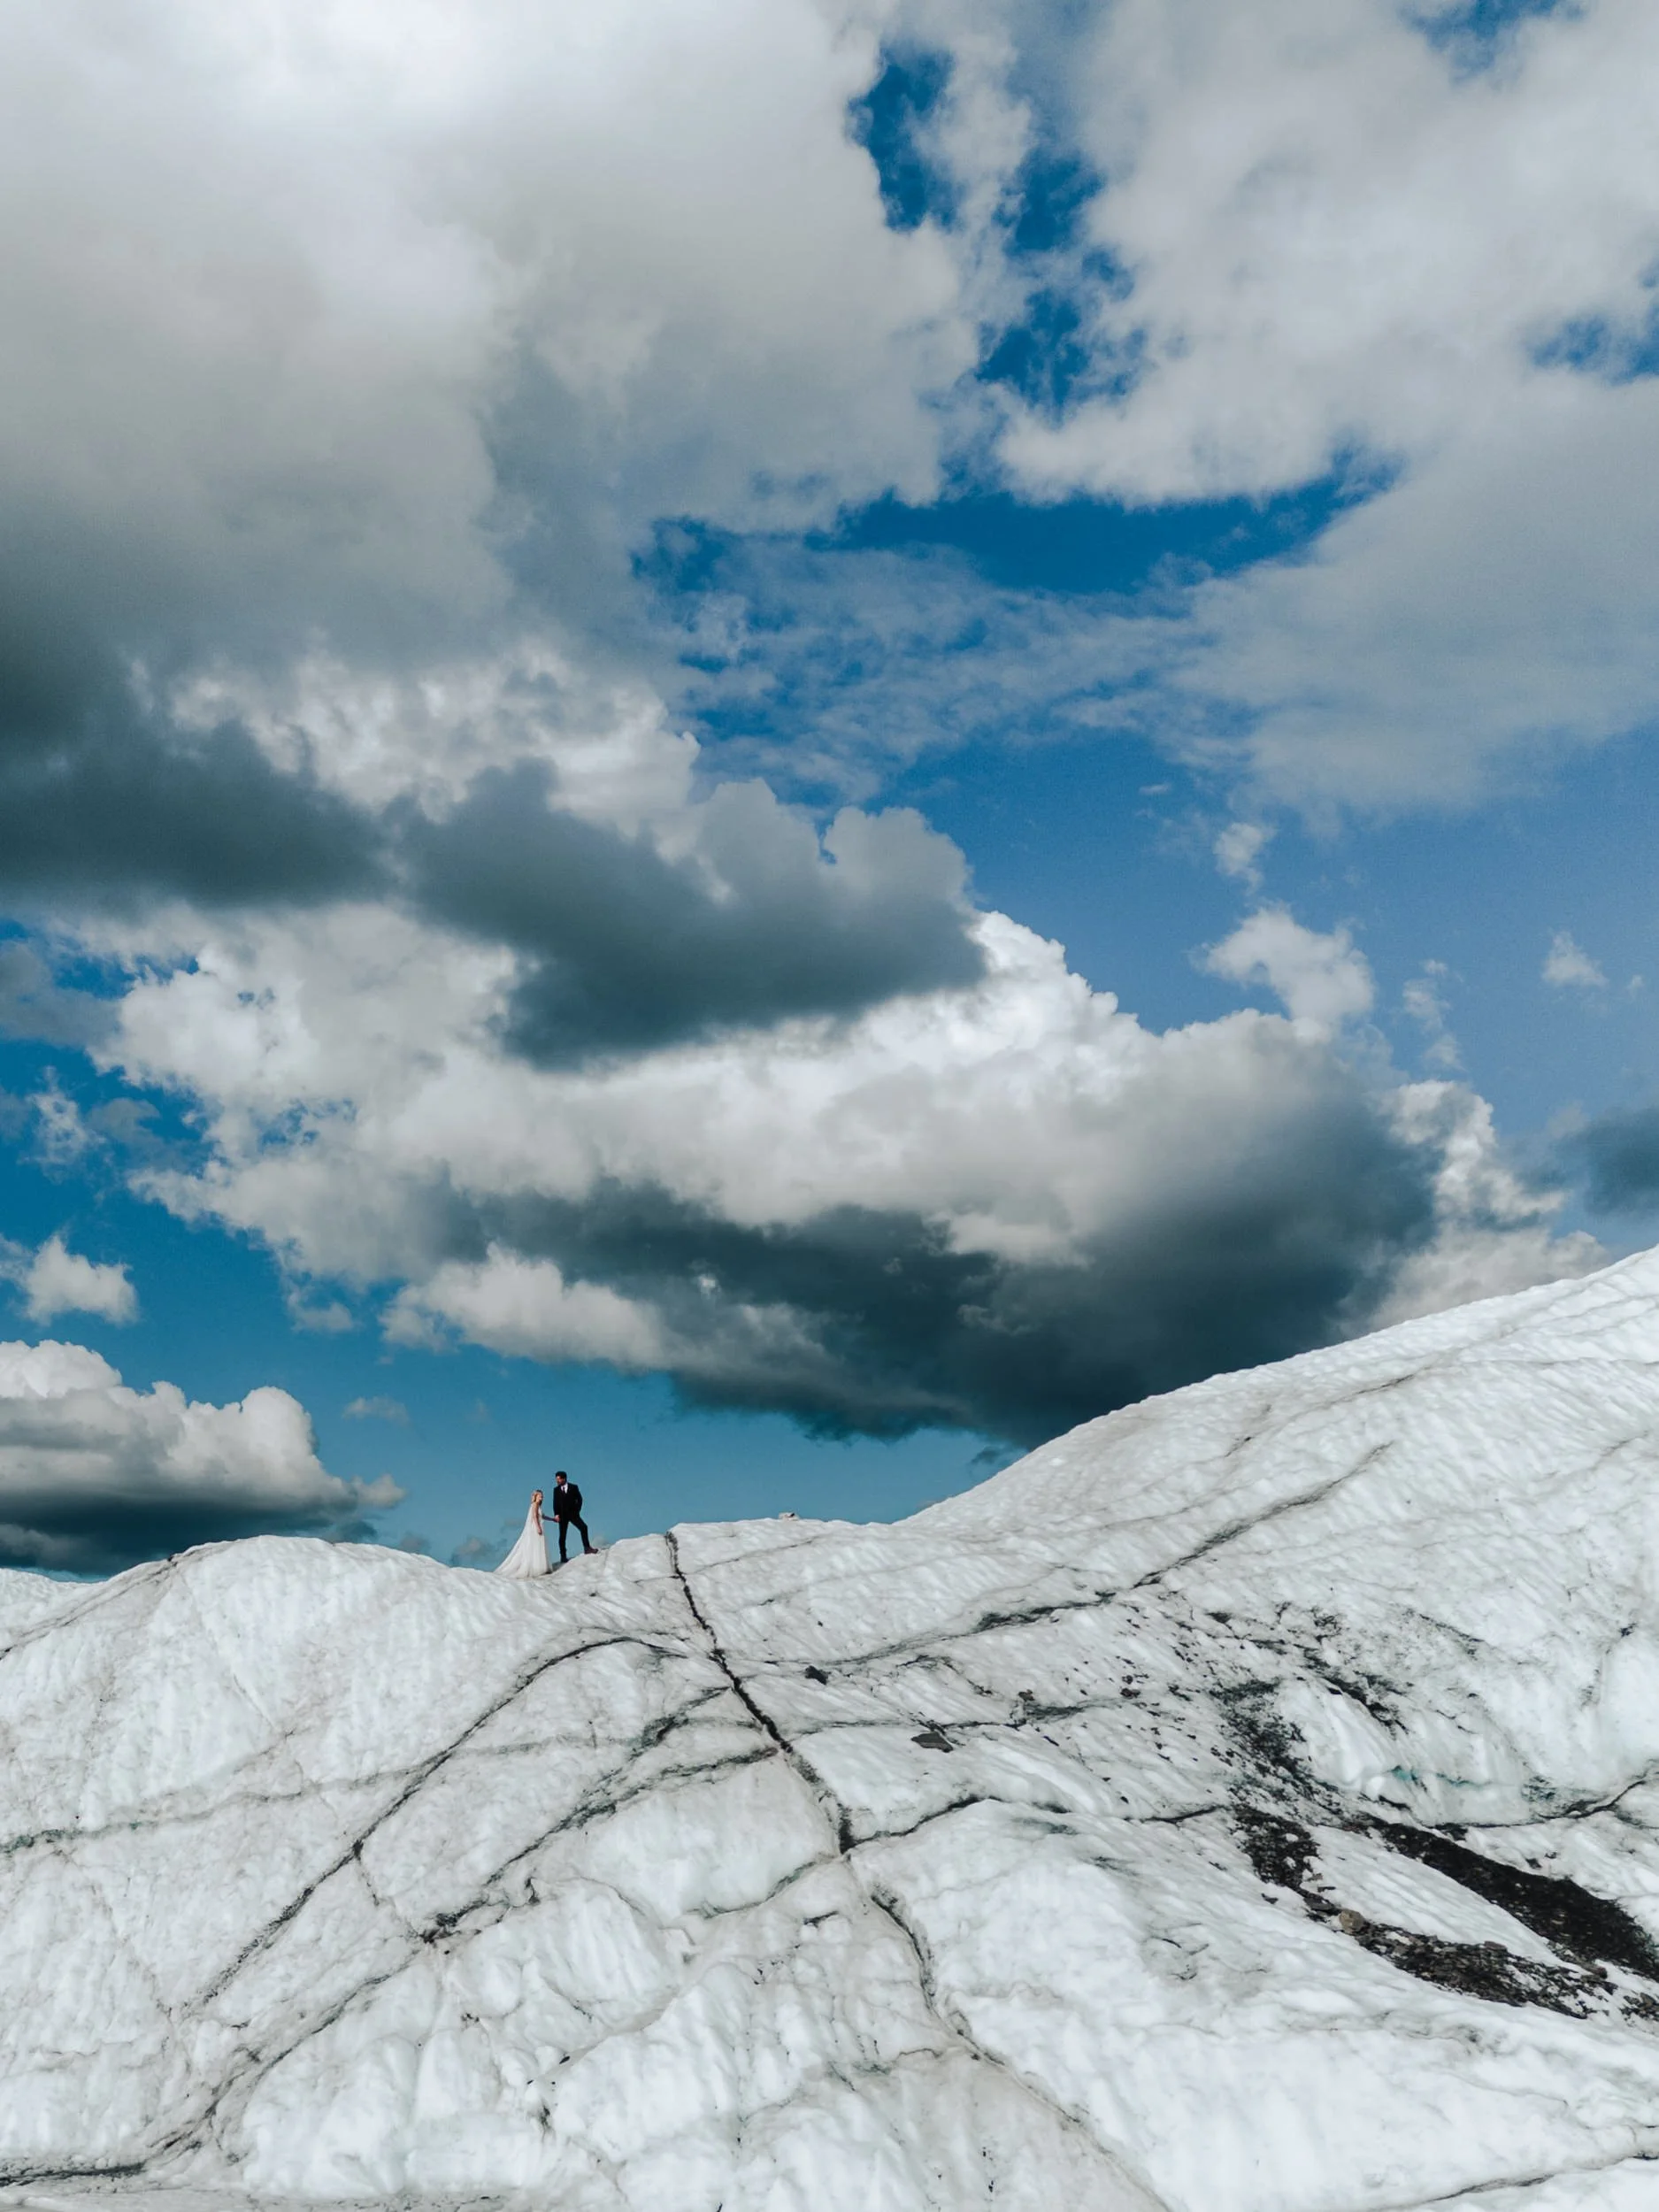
[1247, 1803]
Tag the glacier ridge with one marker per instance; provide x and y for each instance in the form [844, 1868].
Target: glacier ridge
[1248, 1802]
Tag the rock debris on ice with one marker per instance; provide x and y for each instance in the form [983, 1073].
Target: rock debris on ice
[1248, 1803]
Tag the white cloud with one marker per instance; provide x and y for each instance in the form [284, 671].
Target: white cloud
[1342, 243]
[948, 1207]
[330, 1317]
[32, 1005]
[51, 1370]
[629, 259]
[1568, 967]
[1337, 237]
[94, 1475]
[347, 457]
[480, 297]
[61, 1136]
[1498, 602]
[60, 1281]
[391, 1410]
[1424, 999]
[1239, 849]
[377, 734]
[1495, 1233]
[54, 1281]
[526, 1307]
[1323, 981]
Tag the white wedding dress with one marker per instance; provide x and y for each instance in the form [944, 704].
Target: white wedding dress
[528, 1557]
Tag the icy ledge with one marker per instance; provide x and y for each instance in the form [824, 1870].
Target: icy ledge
[1246, 1804]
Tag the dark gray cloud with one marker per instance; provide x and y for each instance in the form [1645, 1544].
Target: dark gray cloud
[104, 1535]
[94, 1476]
[627, 951]
[102, 799]
[305, 397]
[116, 809]
[621, 948]
[1253, 1256]
[1617, 1156]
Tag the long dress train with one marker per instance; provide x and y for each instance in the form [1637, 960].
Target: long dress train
[528, 1557]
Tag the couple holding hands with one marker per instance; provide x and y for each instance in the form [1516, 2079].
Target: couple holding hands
[528, 1557]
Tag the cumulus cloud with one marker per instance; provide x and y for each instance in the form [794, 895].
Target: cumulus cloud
[1568, 967]
[357, 360]
[1321, 979]
[1333, 246]
[55, 1280]
[1002, 1204]
[523, 1305]
[117, 808]
[1334, 234]
[560, 823]
[626, 942]
[414, 311]
[327, 1317]
[433, 320]
[474, 306]
[640, 906]
[1497, 1230]
[94, 1476]
[531, 310]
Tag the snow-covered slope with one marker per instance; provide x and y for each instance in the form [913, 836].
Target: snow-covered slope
[1247, 1803]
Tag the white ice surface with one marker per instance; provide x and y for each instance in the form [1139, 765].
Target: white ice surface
[329, 1872]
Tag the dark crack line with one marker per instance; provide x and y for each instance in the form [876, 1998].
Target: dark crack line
[1267, 1430]
[48, 1838]
[1523, 2181]
[888, 1906]
[189, 2134]
[107, 1595]
[840, 1819]
[1577, 1809]
[1167, 1820]
[249, 2066]
[23, 2177]
[255, 2066]
[419, 1778]
[1020, 1805]
[1145, 1710]
[1235, 1529]
[932, 1643]
[152, 1823]
[597, 1804]
[252, 2066]
[941, 1812]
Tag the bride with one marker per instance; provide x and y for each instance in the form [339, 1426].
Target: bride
[528, 1557]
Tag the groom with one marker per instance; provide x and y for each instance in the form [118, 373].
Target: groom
[567, 1509]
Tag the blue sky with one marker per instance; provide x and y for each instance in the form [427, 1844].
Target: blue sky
[578, 641]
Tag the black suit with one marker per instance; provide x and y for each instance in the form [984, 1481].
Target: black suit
[568, 1512]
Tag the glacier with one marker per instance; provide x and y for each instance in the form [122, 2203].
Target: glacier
[1248, 1802]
